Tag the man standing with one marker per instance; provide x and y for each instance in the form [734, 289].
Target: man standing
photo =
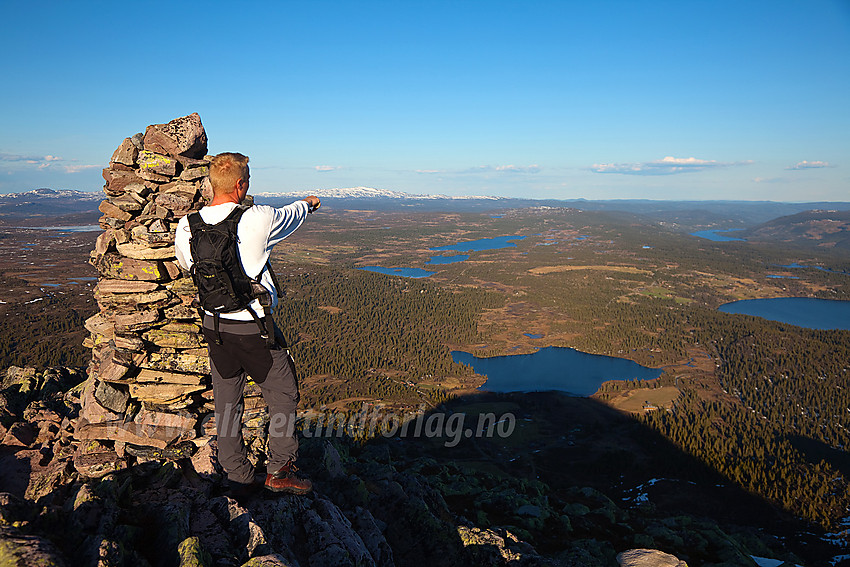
[237, 345]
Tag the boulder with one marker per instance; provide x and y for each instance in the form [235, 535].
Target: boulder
[99, 464]
[112, 367]
[92, 411]
[137, 321]
[178, 203]
[181, 312]
[205, 459]
[112, 397]
[179, 362]
[129, 202]
[153, 300]
[19, 434]
[163, 394]
[192, 553]
[126, 153]
[172, 339]
[124, 286]
[142, 251]
[183, 136]
[19, 550]
[113, 266]
[117, 181]
[184, 188]
[129, 342]
[159, 164]
[104, 242]
[113, 211]
[17, 375]
[648, 558]
[194, 173]
[100, 324]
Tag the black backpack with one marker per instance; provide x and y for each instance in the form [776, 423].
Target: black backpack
[223, 286]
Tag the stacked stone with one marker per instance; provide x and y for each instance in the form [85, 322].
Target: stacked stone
[148, 379]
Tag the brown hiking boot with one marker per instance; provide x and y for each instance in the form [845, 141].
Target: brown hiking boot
[286, 480]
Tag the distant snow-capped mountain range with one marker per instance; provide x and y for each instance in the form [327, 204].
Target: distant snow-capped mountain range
[55, 194]
[370, 193]
[336, 193]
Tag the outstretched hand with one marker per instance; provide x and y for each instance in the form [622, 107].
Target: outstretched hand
[314, 202]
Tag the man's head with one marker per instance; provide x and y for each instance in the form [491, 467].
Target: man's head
[229, 173]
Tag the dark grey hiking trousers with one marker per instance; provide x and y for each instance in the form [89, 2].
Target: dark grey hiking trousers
[244, 353]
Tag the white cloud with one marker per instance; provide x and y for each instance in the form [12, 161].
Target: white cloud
[810, 165]
[518, 169]
[534, 168]
[667, 166]
[78, 168]
[323, 168]
[28, 159]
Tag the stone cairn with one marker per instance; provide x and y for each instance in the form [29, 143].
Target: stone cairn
[148, 390]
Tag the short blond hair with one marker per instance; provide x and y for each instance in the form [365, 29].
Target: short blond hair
[225, 170]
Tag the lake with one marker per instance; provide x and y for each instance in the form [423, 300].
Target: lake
[406, 272]
[470, 246]
[806, 312]
[714, 235]
[821, 268]
[76, 228]
[481, 244]
[553, 368]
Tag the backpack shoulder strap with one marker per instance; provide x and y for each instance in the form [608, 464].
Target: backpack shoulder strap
[195, 220]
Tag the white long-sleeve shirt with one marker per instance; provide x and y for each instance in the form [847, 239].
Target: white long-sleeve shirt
[260, 229]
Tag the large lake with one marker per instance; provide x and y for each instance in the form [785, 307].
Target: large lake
[481, 244]
[553, 368]
[801, 311]
[715, 236]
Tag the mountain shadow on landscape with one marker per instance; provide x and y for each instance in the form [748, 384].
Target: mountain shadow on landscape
[570, 482]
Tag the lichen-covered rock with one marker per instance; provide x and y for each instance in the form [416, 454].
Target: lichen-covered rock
[151, 162]
[98, 465]
[112, 397]
[19, 550]
[114, 266]
[193, 554]
[184, 136]
[173, 339]
[181, 362]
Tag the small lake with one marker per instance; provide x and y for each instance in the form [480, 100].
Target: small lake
[77, 228]
[821, 268]
[823, 314]
[553, 368]
[481, 244]
[715, 236]
[405, 272]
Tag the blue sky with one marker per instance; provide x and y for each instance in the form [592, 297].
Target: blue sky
[558, 99]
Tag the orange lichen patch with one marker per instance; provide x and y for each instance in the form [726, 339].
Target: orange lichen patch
[567, 268]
